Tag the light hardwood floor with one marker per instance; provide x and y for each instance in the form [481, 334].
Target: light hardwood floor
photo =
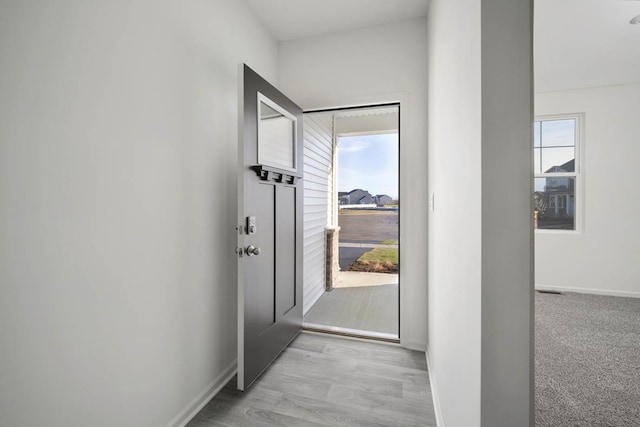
[321, 380]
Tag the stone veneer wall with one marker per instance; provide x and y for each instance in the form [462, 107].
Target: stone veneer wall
[332, 257]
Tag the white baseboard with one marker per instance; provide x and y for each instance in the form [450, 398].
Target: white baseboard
[607, 292]
[204, 397]
[434, 393]
[413, 344]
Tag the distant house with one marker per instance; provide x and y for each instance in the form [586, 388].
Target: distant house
[343, 198]
[367, 199]
[356, 197]
[570, 166]
[362, 197]
[382, 200]
[558, 198]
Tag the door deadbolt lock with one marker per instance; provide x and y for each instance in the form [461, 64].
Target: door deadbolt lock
[252, 250]
[251, 225]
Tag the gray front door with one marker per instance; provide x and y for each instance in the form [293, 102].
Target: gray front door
[270, 204]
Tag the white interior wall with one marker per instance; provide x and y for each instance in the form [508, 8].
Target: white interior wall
[602, 257]
[117, 202]
[376, 65]
[480, 253]
[455, 223]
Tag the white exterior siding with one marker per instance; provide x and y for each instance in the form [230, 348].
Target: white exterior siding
[318, 181]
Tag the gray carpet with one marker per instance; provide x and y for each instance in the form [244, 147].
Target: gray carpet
[587, 360]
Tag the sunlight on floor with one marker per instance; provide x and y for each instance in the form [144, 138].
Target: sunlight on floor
[355, 279]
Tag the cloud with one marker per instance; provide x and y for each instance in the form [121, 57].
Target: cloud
[352, 146]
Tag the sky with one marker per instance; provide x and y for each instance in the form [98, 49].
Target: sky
[369, 162]
[553, 142]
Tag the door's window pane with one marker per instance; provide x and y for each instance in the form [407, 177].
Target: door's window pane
[559, 159]
[536, 160]
[276, 142]
[558, 133]
[554, 203]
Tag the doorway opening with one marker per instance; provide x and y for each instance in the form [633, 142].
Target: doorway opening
[359, 253]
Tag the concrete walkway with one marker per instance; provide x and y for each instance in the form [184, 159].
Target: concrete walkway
[360, 301]
[362, 308]
[365, 245]
[355, 279]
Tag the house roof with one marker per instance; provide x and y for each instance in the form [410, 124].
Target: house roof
[357, 189]
[569, 166]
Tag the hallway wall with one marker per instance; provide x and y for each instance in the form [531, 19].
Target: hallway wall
[480, 253]
[117, 203]
[455, 229]
[380, 64]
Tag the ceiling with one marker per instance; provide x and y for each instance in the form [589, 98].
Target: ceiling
[295, 19]
[585, 43]
[578, 43]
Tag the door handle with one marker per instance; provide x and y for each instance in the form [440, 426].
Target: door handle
[252, 250]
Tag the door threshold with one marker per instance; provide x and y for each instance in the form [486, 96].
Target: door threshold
[352, 333]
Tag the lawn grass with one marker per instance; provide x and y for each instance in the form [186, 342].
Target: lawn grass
[365, 212]
[377, 260]
[381, 255]
[390, 242]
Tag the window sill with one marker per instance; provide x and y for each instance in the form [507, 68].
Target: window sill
[560, 232]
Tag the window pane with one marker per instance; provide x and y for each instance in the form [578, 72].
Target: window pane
[558, 159]
[554, 203]
[558, 133]
[536, 160]
[536, 134]
[275, 142]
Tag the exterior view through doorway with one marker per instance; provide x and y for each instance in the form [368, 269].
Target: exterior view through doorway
[351, 221]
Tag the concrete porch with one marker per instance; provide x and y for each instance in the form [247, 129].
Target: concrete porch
[366, 302]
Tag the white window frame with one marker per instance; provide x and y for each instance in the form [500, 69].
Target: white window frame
[579, 192]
